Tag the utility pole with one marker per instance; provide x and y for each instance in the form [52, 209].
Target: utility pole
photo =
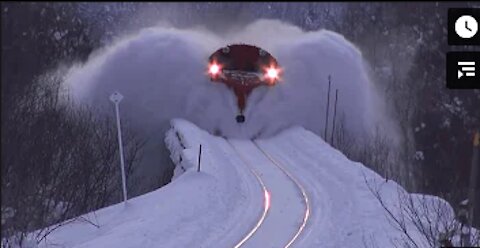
[334, 116]
[116, 98]
[199, 157]
[328, 107]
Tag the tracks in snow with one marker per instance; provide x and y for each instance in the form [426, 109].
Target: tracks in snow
[302, 190]
[266, 202]
[281, 193]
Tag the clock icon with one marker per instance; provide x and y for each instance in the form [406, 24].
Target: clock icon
[466, 26]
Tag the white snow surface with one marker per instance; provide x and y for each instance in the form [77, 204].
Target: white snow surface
[218, 206]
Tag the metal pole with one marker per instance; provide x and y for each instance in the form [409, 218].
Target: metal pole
[334, 115]
[122, 163]
[328, 107]
[199, 157]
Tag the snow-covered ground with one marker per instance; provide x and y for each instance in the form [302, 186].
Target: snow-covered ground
[243, 198]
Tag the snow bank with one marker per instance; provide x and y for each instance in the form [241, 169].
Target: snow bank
[346, 212]
[197, 209]
[217, 206]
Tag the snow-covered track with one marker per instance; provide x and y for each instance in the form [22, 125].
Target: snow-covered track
[266, 205]
[300, 187]
[289, 204]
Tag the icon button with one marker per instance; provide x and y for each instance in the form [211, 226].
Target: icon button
[462, 70]
[463, 26]
[467, 69]
[466, 26]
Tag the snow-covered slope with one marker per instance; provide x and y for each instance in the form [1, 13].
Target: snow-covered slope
[205, 209]
[241, 198]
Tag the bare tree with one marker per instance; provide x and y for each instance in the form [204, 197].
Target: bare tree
[430, 217]
[375, 151]
[59, 161]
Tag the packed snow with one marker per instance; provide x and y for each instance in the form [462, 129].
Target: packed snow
[221, 204]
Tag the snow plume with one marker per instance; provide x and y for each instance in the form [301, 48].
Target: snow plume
[161, 71]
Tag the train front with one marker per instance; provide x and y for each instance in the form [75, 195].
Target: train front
[242, 68]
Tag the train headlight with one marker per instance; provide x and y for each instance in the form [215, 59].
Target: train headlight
[272, 73]
[214, 69]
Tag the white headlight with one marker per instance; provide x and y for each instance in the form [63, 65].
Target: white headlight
[272, 73]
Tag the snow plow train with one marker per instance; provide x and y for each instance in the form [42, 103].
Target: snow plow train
[242, 68]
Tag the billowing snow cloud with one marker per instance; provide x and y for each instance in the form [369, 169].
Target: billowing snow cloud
[162, 74]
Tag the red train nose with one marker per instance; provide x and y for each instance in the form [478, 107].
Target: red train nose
[242, 68]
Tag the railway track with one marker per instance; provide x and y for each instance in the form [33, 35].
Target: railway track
[267, 197]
